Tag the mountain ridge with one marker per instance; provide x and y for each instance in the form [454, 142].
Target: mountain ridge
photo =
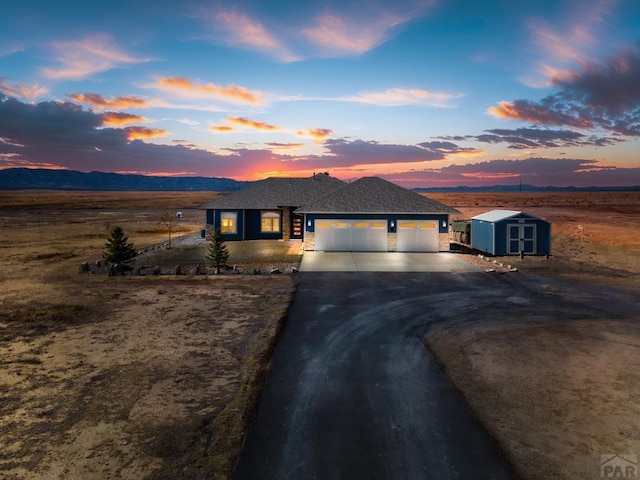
[49, 179]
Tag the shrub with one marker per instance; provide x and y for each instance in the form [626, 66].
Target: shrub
[218, 253]
[117, 248]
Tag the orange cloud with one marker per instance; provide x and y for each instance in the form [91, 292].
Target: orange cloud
[140, 133]
[221, 128]
[317, 134]
[184, 86]
[245, 122]
[526, 111]
[284, 146]
[118, 118]
[17, 90]
[97, 100]
[489, 176]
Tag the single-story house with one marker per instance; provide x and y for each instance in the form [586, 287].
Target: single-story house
[510, 232]
[264, 210]
[370, 214]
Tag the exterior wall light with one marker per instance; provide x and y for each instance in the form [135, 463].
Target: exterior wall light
[308, 223]
[444, 224]
[392, 224]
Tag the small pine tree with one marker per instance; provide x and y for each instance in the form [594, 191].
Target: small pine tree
[116, 249]
[218, 252]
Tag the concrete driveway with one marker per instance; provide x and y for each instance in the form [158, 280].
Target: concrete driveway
[383, 262]
[352, 393]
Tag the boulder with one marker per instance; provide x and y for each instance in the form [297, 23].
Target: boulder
[84, 267]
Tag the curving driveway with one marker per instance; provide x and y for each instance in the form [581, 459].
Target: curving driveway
[353, 394]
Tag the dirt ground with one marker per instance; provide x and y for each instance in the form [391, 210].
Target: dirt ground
[557, 393]
[124, 377]
[156, 376]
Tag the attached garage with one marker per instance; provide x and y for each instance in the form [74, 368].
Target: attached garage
[374, 215]
[345, 235]
[418, 236]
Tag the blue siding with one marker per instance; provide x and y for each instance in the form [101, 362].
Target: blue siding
[492, 237]
[482, 236]
[253, 225]
[239, 220]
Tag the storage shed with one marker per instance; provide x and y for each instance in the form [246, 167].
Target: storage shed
[510, 232]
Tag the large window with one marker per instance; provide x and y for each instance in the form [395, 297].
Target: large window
[270, 222]
[228, 222]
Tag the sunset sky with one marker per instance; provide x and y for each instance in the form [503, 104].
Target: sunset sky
[427, 93]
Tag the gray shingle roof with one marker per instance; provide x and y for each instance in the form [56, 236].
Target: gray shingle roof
[375, 195]
[278, 192]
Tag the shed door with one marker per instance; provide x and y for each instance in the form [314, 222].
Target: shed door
[351, 235]
[521, 238]
[418, 236]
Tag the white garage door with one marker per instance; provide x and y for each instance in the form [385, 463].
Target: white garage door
[351, 235]
[418, 236]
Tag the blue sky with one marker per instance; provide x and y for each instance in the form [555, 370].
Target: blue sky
[422, 93]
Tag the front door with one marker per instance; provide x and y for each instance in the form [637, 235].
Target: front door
[521, 237]
[296, 226]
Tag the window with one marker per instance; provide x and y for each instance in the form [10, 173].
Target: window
[270, 222]
[228, 222]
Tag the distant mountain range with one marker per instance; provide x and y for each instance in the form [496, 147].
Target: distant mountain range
[45, 179]
[521, 188]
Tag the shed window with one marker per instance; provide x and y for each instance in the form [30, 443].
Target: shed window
[229, 222]
[270, 222]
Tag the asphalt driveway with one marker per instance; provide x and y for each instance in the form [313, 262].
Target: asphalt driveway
[353, 394]
[383, 262]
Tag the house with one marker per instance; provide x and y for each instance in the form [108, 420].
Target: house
[510, 232]
[264, 210]
[370, 214]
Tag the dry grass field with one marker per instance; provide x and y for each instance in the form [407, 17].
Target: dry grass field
[557, 394]
[148, 376]
[124, 377]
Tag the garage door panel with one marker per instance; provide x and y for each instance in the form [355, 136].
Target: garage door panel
[351, 235]
[418, 236]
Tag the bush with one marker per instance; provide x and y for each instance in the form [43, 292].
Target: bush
[117, 248]
[218, 252]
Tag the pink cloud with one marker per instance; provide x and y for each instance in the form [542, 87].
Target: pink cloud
[81, 58]
[245, 32]
[27, 92]
[404, 96]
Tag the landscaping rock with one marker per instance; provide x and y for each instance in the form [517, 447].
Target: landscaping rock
[84, 267]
